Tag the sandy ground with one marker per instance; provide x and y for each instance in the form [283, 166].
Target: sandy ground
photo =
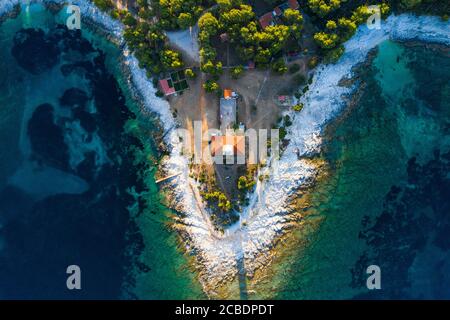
[257, 91]
[256, 109]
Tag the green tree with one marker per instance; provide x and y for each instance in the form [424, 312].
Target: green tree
[293, 16]
[104, 5]
[224, 5]
[207, 52]
[298, 107]
[262, 56]
[212, 68]
[171, 59]
[237, 71]
[323, 7]
[347, 28]
[211, 86]
[333, 55]
[279, 66]
[189, 73]
[208, 24]
[326, 40]
[331, 25]
[295, 21]
[185, 20]
[129, 20]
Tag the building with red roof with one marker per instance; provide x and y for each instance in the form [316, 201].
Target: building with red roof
[270, 18]
[293, 4]
[266, 20]
[166, 86]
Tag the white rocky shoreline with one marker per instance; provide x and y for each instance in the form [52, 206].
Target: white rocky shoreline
[267, 218]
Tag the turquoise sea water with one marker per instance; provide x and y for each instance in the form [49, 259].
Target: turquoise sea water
[387, 201]
[72, 187]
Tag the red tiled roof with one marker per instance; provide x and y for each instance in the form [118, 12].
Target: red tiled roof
[293, 4]
[227, 93]
[167, 90]
[266, 20]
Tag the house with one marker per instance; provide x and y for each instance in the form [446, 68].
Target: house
[167, 87]
[228, 146]
[228, 105]
[270, 18]
[293, 4]
[267, 20]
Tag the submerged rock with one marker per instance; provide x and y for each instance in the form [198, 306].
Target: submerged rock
[33, 51]
[47, 139]
[74, 97]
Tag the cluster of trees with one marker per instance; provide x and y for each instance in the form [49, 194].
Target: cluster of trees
[324, 7]
[146, 40]
[238, 21]
[338, 22]
[178, 14]
[338, 30]
[246, 182]
[149, 45]
[217, 199]
[104, 5]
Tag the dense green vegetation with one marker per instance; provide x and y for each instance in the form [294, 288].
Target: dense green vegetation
[238, 21]
[179, 14]
[104, 4]
[335, 21]
[336, 29]
[145, 36]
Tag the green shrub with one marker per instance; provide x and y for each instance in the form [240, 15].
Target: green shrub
[237, 71]
[333, 56]
[298, 107]
[279, 66]
[211, 86]
[313, 62]
[189, 73]
[104, 5]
